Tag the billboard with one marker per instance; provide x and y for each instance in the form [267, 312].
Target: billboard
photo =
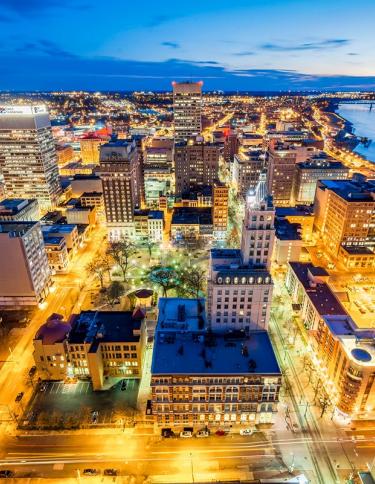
[30, 110]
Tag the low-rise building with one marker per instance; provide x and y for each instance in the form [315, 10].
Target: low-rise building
[149, 224]
[288, 242]
[81, 215]
[302, 215]
[19, 209]
[57, 253]
[68, 231]
[204, 378]
[105, 346]
[190, 226]
[86, 184]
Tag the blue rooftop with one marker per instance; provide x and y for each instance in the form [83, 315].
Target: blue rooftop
[180, 353]
[58, 228]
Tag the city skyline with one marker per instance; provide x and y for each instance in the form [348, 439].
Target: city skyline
[255, 45]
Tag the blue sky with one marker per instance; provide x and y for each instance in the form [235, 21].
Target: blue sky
[251, 45]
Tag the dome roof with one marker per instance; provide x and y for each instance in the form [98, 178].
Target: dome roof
[144, 293]
[54, 330]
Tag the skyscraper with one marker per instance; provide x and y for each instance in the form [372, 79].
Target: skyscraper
[187, 107]
[120, 173]
[28, 157]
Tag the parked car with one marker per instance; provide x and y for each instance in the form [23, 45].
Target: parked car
[246, 431]
[201, 434]
[186, 434]
[32, 371]
[43, 387]
[167, 433]
[220, 432]
[90, 472]
[94, 416]
[19, 397]
[4, 474]
[110, 472]
[124, 385]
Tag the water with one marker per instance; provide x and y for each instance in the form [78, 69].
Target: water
[363, 123]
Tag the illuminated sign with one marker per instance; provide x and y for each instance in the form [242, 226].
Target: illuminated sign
[23, 109]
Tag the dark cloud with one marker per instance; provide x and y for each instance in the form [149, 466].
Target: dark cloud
[38, 69]
[173, 45]
[244, 53]
[352, 53]
[318, 45]
[46, 47]
[26, 7]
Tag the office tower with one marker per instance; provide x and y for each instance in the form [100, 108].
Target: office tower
[158, 171]
[345, 217]
[90, 147]
[246, 169]
[203, 378]
[24, 274]
[318, 167]
[239, 283]
[196, 163]
[187, 109]
[120, 173]
[281, 172]
[231, 145]
[28, 158]
[220, 209]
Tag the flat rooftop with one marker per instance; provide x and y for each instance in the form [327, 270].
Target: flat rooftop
[287, 231]
[181, 353]
[298, 211]
[354, 190]
[58, 228]
[176, 313]
[191, 216]
[12, 206]
[16, 229]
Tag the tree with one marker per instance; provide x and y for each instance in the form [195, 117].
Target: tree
[233, 239]
[98, 267]
[150, 245]
[114, 292]
[165, 277]
[121, 252]
[195, 280]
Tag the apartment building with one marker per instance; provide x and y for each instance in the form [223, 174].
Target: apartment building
[246, 169]
[19, 209]
[203, 378]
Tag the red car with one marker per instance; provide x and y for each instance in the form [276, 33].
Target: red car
[220, 432]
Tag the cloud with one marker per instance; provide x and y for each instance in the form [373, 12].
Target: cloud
[352, 53]
[26, 7]
[173, 45]
[244, 53]
[46, 47]
[318, 45]
[46, 67]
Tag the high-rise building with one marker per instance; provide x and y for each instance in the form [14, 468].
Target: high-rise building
[345, 217]
[231, 145]
[246, 169]
[281, 173]
[239, 283]
[25, 275]
[28, 159]
[158, 171]
[120, 173]
[319, 167]
[90, 147]
[14, 209]
[220, 209]
[196, 163]
[187, 109]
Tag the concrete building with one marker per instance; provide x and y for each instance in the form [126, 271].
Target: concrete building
[187, 109]
[86, 183]
[25, 276]
[81, 215]
[202, 378]
[50, 351]
[121, 176]
[105, 346]
[345, 218]
[320, 167]
[68, 231]
[149, 224]
[303, 215]
[191, 227]
[196, 163]
[57, 253]
[281, 173]
[288, 242]
[90, 147]
[28, 159]
[19, 209]
[65, 154]
[239, 283]
[220, 210]
[246, 169]
[158, 173]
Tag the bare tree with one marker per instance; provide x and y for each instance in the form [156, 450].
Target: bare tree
[98, 267]
[165, 277]
[195, 280]
[121, 252]
[114, 292]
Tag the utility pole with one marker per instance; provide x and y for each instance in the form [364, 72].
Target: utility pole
[192, 467]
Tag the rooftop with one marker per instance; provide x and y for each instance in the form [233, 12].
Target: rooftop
[16, 229]
[355, 190]
[58, 228]
[184, 314]
[287, 231]
[213, 354]
[12, 206]
[191, 216]
[298, 211]
[54, 330]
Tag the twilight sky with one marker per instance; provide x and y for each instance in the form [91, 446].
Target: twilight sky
[230, 45]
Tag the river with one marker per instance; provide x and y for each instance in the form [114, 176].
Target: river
[363, 121]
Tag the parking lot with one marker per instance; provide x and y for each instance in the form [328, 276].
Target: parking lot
[73, 404]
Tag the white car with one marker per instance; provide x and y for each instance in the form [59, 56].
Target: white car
[186, 434]
[246, 431]
[201, 434]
